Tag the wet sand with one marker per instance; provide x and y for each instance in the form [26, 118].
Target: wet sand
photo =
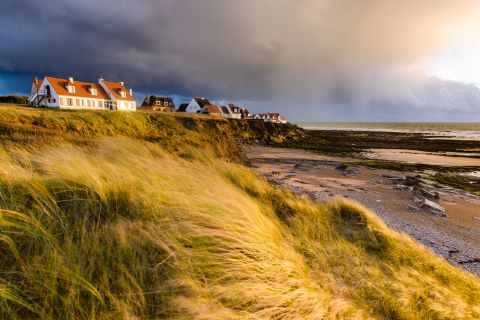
[455, 237]
[450, 159]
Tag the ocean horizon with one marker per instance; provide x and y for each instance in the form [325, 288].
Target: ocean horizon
[456, 130]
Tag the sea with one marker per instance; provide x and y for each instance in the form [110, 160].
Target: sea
[452, 130]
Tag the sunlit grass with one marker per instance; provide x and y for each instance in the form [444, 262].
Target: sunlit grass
[123, 228]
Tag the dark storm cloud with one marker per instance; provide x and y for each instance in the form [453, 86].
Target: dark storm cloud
[303, 56]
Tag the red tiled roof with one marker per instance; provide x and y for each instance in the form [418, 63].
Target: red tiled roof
[213, 109]
[115, 88]
[82, 89]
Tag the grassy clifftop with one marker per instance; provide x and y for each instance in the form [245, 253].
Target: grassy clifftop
[110, 223]
[170, 131]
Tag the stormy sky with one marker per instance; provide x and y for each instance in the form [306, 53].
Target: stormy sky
[313, 60]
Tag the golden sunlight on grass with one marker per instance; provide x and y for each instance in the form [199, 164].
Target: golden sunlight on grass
[121, 229]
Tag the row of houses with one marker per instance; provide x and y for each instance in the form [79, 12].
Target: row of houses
[72, 94]
[204, 106]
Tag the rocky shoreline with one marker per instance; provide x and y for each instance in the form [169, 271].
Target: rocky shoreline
[439, 217]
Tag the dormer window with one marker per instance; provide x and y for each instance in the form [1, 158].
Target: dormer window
[71, 89]
[123, 94]
[93, 91]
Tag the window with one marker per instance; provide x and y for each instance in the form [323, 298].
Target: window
[157, 103]
[53, 100]
[71, 89]
[48, 100]
[94, 92]
[77, 102]
[100, 104]
[62, 101]
[69, 101]
[165, 104]
[95, 103]
[123, 94]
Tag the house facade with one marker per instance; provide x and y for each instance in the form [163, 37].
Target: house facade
[235, 111]
[156, 103]
[196, 105]
[71, 94]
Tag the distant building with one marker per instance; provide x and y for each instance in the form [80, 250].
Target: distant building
[156, 103]
[270, 117]
[225, 111]
[182, 107]
[277, 117]
[235, 111]
[245, 113]
[71, 94]
[212, 110]
[196, 105]
[262, 116]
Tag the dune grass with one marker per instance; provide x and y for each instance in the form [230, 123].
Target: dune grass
[124, 228]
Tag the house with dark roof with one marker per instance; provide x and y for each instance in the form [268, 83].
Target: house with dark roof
[277, 117]
[182, 107]
[245, 113]
[71, 94]
[225, 111]
[196, 105]
[158, 103]
[235, 111]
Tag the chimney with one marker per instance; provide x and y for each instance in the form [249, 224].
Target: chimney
[122, 83]
[131, 92]
[70, 79]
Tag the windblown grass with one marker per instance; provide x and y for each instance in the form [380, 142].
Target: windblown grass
[123, 228]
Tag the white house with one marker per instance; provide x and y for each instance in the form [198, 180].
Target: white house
[270, 117]
[235, 111]
[231, 111]
[277, 117]
[197, 104]
[262, 116]
[71, 94]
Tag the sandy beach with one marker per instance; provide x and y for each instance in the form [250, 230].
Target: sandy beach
[456, 237]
